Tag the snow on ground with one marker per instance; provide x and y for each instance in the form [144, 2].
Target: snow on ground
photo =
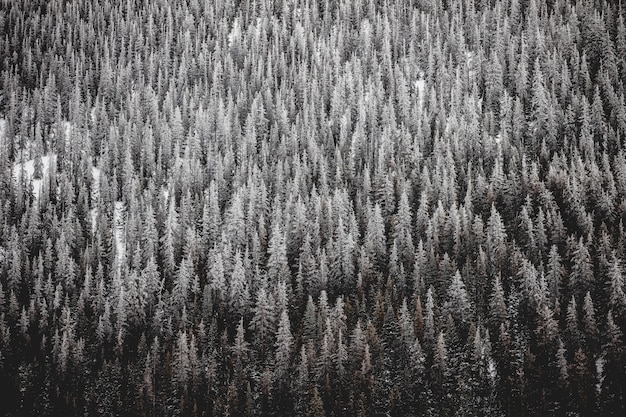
[420, 85]
[118, 230]
[94, 218]
[234, 34]
[28, 169]
[95, 195]
[95, 191]
[67, 129]
[469, 62]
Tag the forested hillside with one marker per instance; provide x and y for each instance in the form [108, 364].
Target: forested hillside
[312, 208]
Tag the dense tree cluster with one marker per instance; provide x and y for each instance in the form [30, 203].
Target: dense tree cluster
[312, 207]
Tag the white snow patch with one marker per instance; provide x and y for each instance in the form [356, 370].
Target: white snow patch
[94, 218]
[67, 127]
[118, 231]
[64, 131]
[95, 185]
[27, 168]
[420, 86]
[235, 33]
[95, 195]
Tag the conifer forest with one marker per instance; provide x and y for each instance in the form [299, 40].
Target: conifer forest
[312, 208]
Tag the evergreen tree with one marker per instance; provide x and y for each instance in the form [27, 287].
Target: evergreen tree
[581, 277]
[458, 304]
[284, 346]
[612, 392]
[169, 239]
[414, 208]
[263, 321]
[375, 240]
[239, 291]
[617, 298]
[497, 305]
[277, 267]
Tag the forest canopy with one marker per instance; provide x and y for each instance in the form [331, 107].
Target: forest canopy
[312, 208]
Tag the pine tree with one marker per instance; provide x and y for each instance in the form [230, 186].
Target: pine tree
[590, 326]
[169, 239]
[497, 305]
[403, 232]
[547, 327]
[612, 393]
[573, 334]
[316, 405]
[239, 292]
[617, 298]
[277, 266]
[341, 357]
[458, 304]
[375, 241]
[240, 350]
[406, 325]
[182, 283]
[555, 273]
[211, 217]
[620, 43]
[563, 376]
[263, 321]
[181, 366]
[234, 224]
[216, 279]
[496, 239]
[429, 319]
[581, 382]
[581, 277]
[440, 372]
[540, 105]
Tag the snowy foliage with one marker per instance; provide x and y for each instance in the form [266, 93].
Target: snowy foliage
[299, 207]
